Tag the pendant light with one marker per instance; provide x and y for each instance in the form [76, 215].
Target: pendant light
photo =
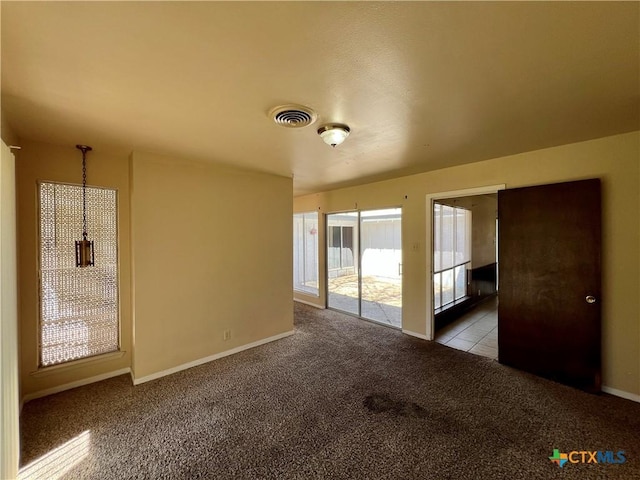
[84, 247]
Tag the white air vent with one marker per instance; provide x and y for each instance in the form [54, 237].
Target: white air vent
[293, 116]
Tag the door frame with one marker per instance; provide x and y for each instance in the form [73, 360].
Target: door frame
[430, 200]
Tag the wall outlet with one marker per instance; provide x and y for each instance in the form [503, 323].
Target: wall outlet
[226, 335]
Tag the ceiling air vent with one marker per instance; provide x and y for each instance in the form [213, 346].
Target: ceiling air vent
[293, 116]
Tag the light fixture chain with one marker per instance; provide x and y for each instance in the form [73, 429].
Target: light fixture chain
[84, 194]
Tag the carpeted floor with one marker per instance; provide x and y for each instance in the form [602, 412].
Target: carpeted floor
[340, 399]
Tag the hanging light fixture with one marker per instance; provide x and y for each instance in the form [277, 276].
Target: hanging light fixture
[334, 133]
[84, 247]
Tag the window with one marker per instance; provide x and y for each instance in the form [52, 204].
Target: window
[305, 252]
[341, 247]
[451, 253]
[78, 306]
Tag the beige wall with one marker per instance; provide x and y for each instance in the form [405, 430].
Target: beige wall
[37, 161]
[207, 250]
[614, 159]
[212, 252]
[9, 387]
[6, 132]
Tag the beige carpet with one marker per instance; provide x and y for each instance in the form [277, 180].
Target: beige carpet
[341, 399]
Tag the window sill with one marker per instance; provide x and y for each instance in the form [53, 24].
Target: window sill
[308, 294]
[62, 367]
[449, 305]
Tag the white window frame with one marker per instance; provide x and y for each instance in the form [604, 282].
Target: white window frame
[308, 225]
[464, 262]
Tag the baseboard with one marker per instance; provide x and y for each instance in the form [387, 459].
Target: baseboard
[195, 363]
[309, 303]
[68, 386]
[621, 393]
[414, 334]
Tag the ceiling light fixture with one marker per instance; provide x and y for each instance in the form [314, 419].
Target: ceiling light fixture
[334, 133]
[84, 247]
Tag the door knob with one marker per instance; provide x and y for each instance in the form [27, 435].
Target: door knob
[590, 299]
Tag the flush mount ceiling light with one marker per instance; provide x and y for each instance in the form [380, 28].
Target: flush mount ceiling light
[293, 116]
[334, 133]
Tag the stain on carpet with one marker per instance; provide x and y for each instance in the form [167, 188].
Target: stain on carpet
[383, 403]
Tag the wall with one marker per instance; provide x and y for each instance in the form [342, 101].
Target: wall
[38, 161]
[9, 389]
[614, 159]
[212, 252]
[7, 133]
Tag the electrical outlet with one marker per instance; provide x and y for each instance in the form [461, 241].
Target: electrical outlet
[226, 335]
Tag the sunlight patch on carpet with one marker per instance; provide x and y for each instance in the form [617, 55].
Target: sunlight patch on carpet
[57, 462]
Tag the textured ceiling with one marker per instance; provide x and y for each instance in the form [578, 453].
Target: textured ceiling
[422, 85]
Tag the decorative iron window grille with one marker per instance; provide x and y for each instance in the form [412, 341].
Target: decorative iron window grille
[79, 311]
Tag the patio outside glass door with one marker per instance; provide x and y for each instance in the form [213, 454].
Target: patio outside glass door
[364, 264]
[381, 265]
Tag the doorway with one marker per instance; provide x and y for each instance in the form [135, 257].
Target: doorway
[465, 273]
[462, 296]
[364, 264]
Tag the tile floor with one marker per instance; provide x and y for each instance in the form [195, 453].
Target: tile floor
[475, 332]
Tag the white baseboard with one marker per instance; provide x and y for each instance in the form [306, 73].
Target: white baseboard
[68, 386]
[195, 363]
[309, 303]
[417, 335]
[621, 393]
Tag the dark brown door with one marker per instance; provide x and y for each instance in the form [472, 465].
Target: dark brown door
[549, 271]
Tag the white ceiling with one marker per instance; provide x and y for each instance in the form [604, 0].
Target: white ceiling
[422, 85]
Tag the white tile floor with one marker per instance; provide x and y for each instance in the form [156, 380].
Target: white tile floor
[475, 332]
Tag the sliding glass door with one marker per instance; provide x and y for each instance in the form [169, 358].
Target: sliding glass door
[364, 264]
[381, 253]
[343, 272]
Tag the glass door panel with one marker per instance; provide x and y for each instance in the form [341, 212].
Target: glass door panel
[343, 276]
[381, 265]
